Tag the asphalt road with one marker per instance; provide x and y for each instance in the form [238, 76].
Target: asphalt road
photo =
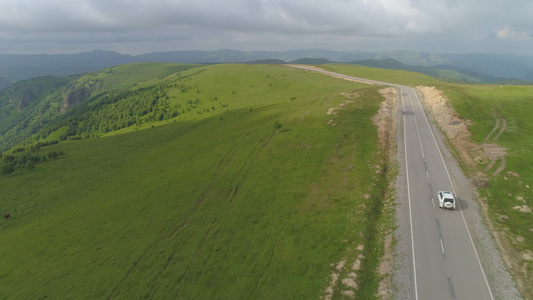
[445, 262]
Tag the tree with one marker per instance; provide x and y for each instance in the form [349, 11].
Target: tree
[30, 165]
[6, 170]
[277, 126]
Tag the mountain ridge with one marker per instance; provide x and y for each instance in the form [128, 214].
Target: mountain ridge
[15, 67]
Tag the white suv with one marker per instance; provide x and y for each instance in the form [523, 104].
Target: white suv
[446, 200]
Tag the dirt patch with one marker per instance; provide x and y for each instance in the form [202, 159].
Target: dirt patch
[527, 255]
[329, 289]
[385, 268]
[356, 265]
[350, 282]
[385, 120]
[349, 294]
[523, 208]
[340, 265]
[350, 95]
[454, 127]
[333, 111]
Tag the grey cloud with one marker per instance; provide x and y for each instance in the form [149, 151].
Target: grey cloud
[339, 24]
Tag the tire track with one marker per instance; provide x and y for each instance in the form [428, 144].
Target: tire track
[223, 164]
[178, 226]
[246, 166]
[494, 152]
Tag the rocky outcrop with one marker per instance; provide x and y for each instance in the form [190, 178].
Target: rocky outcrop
[75, 96]
[26, 99]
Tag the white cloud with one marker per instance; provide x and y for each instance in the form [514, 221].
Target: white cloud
[509, 33]
[505, 32]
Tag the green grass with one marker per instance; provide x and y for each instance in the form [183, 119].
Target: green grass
[213, 206]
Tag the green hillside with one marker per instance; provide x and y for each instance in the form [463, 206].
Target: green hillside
[211, 203]
[22, 106]
[38, 104]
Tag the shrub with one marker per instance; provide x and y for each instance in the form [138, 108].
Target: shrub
[7, 169]
[30, 165]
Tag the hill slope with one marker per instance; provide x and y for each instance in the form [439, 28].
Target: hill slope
[216, 205]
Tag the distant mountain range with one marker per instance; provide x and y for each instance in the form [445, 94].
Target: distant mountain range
[472, 68]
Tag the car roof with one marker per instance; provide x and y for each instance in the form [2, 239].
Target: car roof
[446, 194]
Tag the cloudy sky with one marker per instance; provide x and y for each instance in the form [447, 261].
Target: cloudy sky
[141, 26]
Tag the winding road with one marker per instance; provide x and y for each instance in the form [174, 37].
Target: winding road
[444, 261]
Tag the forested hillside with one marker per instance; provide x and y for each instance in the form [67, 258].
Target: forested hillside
[89, 105]
[29, 106]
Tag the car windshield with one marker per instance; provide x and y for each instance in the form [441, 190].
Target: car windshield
[448, 200]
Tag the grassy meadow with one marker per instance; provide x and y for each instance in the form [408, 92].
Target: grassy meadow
[213, 204]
